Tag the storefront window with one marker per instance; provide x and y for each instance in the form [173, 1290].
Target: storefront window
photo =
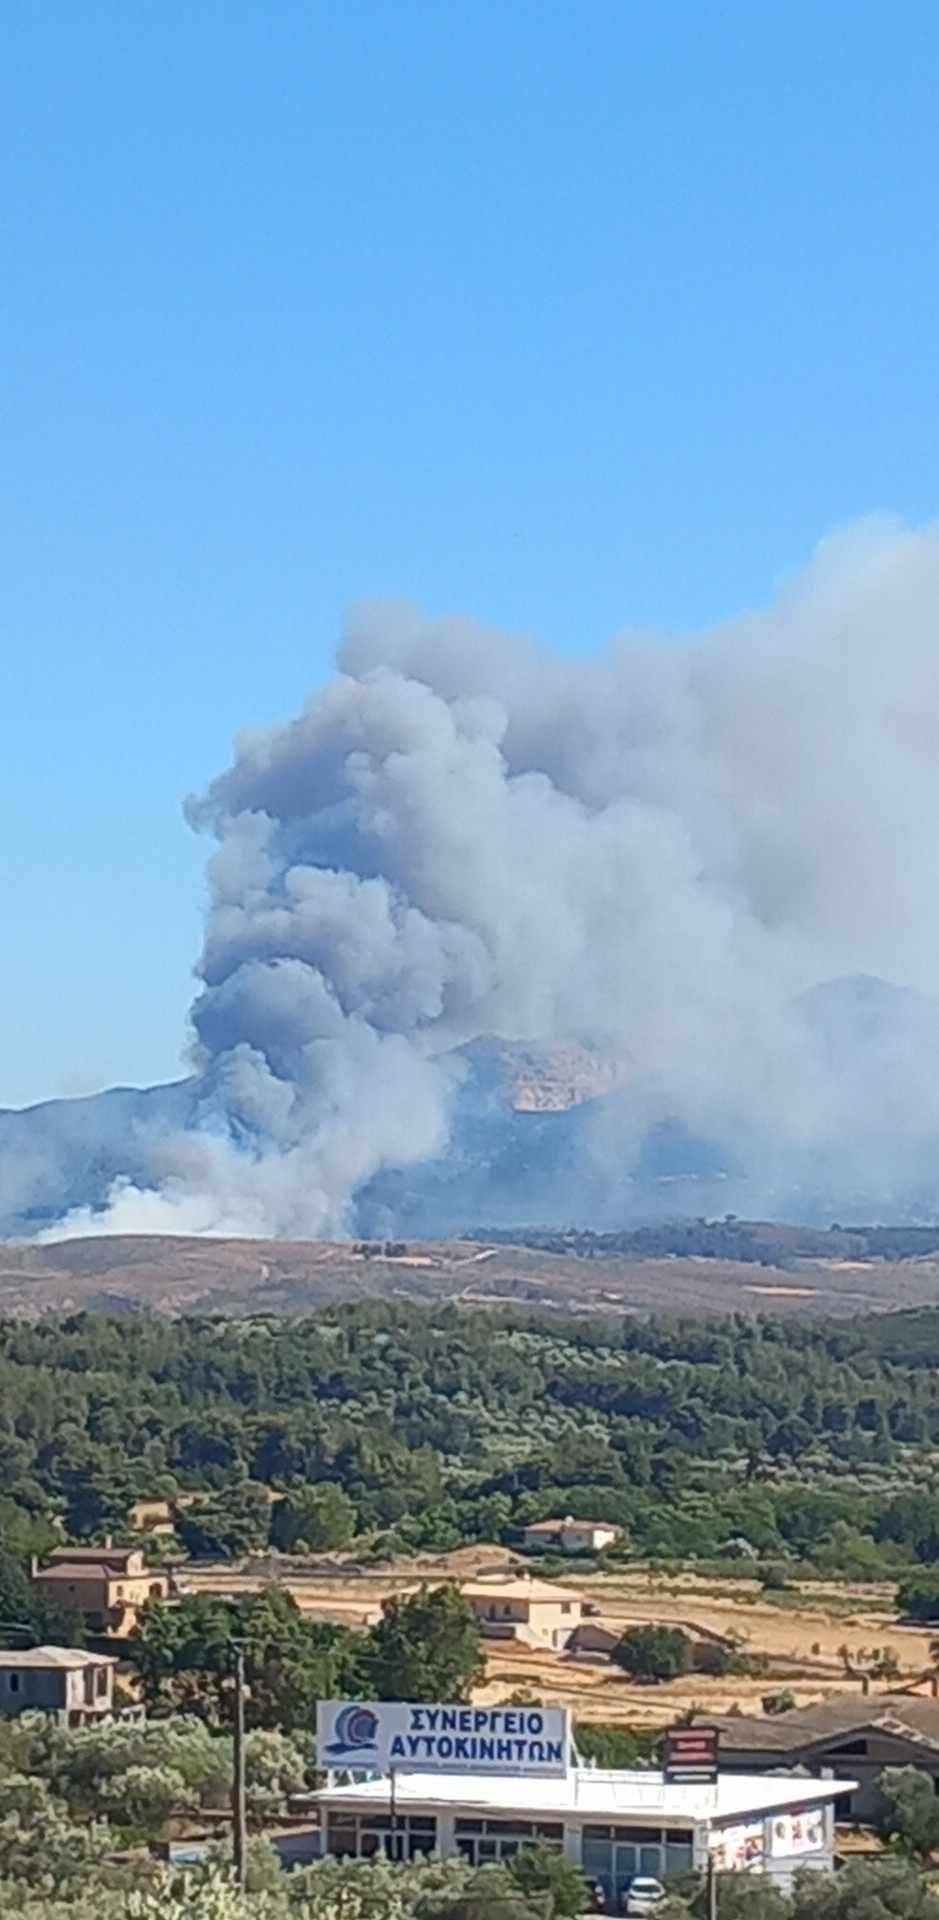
[478, 1840]
[362, 1836]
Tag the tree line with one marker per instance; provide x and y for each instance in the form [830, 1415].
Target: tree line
[763, 1242]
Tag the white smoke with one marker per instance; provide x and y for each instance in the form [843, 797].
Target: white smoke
[658, 850]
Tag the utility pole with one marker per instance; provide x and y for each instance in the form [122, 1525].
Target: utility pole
[239, 1809]
[393, 1809]
[711, 1888]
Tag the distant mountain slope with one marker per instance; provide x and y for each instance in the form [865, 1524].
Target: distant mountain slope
[555, 1135]
[531, 1079]
[859, 1015]
[67, 1153]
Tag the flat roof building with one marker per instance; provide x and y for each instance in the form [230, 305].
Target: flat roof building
[615, 1825]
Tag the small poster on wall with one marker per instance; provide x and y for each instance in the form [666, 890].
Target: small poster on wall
[802, 1831]
[734, 1849]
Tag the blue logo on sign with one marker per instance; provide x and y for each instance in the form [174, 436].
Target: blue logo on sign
[353, 1733]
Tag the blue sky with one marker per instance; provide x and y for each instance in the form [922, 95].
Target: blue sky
[571, 317]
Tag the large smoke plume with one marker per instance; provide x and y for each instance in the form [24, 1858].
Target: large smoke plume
[660, 851]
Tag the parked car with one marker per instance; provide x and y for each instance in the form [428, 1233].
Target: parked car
[643, 1897]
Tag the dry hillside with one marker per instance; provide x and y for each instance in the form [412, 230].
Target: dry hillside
[177, 1275]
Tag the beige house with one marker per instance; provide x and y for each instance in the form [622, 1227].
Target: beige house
[75, 1686]
[533, 1610]
[108, 1586]
[571, 1536]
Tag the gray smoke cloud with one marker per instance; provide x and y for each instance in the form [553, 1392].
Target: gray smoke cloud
[657, 851]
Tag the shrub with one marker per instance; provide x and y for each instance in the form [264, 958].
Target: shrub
[782, 1702]
[918, 1597]
[653, 1653]
[773, 1579]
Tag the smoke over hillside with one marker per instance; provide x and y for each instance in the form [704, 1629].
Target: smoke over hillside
[659, 853]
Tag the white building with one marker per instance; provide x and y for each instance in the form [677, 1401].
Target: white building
[571, 1536]
[613, 1825]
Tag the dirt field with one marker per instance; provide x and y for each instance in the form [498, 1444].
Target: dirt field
[797, 1638]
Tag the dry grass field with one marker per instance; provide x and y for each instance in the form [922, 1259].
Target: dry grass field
[795, 1638]
[122, 1273]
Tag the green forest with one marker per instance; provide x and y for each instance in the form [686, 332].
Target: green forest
[407, 1427]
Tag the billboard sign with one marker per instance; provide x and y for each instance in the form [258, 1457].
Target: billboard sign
[376, 1735]
[691, 1754]
[802, 1831]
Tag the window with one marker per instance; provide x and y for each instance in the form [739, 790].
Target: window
[367, 1835]
[478, 1840]
[565, 1606]
[101, 1683]
[342, 1834]
[14, 1683]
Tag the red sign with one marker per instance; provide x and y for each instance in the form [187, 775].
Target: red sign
[691, 1753]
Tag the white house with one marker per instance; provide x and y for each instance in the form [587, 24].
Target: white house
[571, 1536]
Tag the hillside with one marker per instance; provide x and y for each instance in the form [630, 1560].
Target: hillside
[176, 1275]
